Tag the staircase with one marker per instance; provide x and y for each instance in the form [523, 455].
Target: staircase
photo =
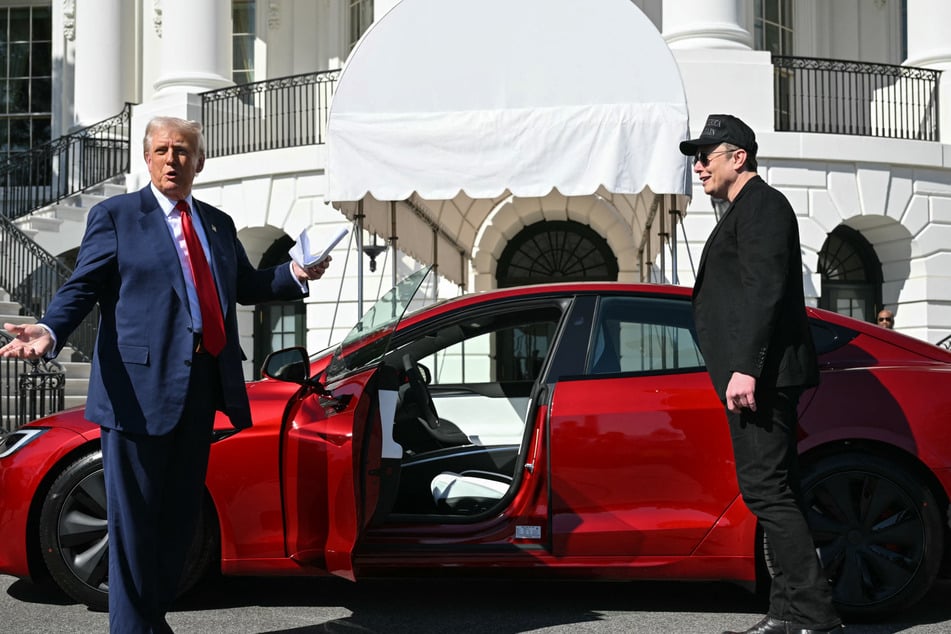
[77, 372]
[46, 193]
[58, 228]
[30, 390]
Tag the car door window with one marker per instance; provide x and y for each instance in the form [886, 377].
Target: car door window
[497, 348]
[646, 335]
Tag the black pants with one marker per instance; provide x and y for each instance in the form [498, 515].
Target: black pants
[764, 444]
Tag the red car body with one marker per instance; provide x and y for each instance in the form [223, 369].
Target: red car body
[615, 474]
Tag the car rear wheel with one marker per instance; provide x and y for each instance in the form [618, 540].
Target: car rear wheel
[74, 539]
[878, 531]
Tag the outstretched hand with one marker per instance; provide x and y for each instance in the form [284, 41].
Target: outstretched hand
[30, 341]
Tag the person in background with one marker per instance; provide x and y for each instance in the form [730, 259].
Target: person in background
[886, 319]
[750, 316]
[167, 271]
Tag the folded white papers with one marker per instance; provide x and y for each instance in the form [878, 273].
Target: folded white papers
[302, 253]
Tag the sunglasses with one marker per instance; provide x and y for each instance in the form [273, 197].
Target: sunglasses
[885, 319]
[704, 157]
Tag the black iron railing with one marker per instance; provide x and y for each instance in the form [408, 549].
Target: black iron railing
[268, 115]
[29, 390]
[842, 97]
[65, 166]
[31, 276]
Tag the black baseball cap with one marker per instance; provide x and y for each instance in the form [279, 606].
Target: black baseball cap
[722, 128]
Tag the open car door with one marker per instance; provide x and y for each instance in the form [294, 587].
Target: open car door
[340, 464]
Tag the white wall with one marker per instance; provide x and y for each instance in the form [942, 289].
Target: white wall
[904, 211]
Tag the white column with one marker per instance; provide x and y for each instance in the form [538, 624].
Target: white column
[103, 66]
[705, 24]
[196, 46]
[930, 47]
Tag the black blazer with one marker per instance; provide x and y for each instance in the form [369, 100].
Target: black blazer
[748, 300]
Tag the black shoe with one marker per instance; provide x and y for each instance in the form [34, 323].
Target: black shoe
[768, 625]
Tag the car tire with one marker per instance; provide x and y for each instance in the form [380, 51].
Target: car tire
[74, 539]
[878, 531]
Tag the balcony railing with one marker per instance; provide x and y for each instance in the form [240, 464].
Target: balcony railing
[268, 115]
[65, 166]
[29, 390]
[857, 98]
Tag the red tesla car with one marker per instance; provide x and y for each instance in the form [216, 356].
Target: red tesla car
[565, 429]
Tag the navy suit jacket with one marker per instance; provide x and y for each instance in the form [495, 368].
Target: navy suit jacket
[129, 264]
[748, 302]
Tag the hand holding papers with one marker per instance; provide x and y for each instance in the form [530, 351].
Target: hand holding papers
[305, 257]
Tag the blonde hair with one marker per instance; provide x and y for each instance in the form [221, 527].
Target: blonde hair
[192, 129]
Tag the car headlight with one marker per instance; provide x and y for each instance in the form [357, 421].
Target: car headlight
[13, 441]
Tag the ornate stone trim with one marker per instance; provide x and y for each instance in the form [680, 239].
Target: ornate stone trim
[69, 19]
[273, 16]
[157, 16]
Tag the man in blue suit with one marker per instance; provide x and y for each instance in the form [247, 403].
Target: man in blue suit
[162, 366]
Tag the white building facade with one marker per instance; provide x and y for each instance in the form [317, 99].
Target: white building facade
[861, 147]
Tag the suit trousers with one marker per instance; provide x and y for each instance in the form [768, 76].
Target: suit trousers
[154, 491]
[764, 446]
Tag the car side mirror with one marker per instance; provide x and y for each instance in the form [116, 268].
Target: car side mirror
[290, 364]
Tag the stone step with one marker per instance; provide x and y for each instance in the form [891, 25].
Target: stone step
[15, 318]
[113, 189]
[7, 307]
[90, 200]
[71, 213]
[75, 369]
[76, 387]
[29, 232]
[74, 401]
[68, 402]
[43, 223]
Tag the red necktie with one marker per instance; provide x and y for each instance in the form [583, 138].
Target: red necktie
[213, 325]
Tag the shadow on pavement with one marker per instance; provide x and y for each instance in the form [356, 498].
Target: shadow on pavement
[489, 606]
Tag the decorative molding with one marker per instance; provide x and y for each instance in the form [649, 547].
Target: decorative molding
[273, 16]
[157, 16]
[69, 19]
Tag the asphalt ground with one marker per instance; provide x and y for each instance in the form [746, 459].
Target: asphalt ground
[241, 605]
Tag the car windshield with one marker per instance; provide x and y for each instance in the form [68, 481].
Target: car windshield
[369, 340]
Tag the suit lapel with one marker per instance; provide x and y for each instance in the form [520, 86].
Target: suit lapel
[154, 223]
[710, 239]
[720, 222]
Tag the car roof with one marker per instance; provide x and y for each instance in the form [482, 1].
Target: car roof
[559, 289]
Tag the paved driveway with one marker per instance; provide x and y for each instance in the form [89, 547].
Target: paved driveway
[253, 605]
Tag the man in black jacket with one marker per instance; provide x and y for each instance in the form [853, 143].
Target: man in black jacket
[751, 321]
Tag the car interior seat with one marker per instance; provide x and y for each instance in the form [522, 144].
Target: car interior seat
[469, 492]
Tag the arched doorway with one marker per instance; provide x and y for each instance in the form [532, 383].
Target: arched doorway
[556, 251]
[280, 324]
[851, 275]
[548, 251]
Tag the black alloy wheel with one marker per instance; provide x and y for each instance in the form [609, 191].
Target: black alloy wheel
[74, 538]
[878, 531]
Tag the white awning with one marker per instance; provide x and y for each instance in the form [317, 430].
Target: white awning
[448, 107]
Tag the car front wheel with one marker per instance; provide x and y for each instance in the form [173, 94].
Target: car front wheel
[75, 542]
[878, 531]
